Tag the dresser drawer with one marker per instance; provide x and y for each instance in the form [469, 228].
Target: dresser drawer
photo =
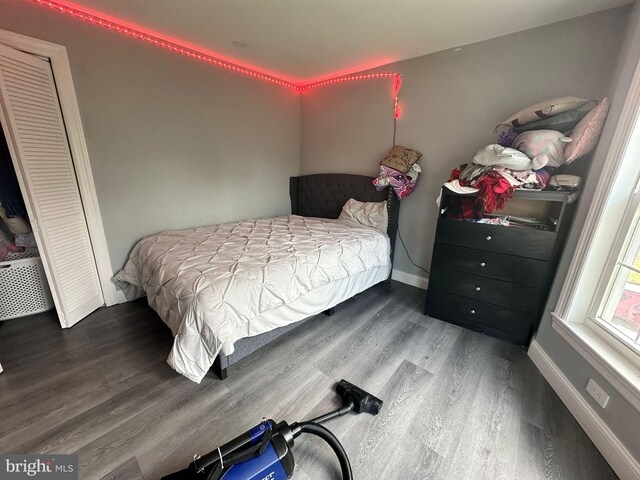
[489, 290]
[509, 268]
[522, 242]
[512, 325]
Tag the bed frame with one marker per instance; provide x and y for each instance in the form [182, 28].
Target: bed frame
[322, 195]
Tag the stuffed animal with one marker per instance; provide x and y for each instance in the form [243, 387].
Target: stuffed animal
[543, 147]
[495, 154]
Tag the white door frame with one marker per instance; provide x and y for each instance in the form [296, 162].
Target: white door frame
[57, 55]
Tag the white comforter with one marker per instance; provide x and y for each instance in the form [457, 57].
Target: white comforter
[211, 284]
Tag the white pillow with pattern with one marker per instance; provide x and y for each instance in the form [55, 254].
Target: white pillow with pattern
[369, 214]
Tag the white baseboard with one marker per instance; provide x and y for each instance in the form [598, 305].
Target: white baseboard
[120, 297]
[410, 279]
[613, 450]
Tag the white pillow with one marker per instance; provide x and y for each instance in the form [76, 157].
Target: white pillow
[545, 110]
[369, 214]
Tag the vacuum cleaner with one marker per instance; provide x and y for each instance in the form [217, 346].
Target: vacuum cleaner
[265, 451]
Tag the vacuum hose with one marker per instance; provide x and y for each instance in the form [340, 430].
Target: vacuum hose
[334, 443]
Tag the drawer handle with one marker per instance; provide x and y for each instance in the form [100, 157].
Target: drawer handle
[488, 237]
[482, 264]
[477, 289]
[472, 311]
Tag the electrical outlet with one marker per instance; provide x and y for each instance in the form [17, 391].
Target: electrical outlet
[597, 393]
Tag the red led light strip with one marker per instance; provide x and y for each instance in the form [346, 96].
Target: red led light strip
[207, 58]
[161, 42]
[397, 85]
[348, 78]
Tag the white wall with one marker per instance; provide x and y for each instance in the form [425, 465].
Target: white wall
[451, 103]
[620, 416]
[173, 142]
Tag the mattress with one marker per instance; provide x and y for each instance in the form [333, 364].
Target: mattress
[214, 285]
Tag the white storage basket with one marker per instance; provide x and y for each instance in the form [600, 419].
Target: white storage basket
[23, 286]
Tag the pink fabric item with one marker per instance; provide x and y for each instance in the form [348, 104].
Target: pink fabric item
[586, 134]
[6, 245]
[402, 183]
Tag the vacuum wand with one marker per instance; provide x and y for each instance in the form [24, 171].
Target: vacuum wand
[354, 399]
[265, 451]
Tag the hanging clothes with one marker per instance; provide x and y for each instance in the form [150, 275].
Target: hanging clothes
[493, 192]
[10, 195]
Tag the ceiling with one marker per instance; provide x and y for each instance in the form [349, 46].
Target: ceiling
[309, 40]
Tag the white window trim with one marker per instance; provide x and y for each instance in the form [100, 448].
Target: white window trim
[621, 373]
[601, 229]
[602, 307]
[609, 335]
[57, 55]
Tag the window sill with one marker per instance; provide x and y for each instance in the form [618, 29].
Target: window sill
[618, 370]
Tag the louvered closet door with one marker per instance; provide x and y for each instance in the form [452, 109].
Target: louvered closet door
[36, 133]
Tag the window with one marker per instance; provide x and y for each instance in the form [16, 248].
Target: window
[617, 316]
[598, 312]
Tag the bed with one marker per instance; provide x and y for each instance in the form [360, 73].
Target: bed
[226, 290]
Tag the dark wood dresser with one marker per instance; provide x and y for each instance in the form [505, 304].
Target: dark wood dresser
[495, 279]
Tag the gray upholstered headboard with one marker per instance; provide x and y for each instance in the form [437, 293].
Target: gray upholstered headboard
[323, 195]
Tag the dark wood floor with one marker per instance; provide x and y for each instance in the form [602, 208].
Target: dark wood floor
[458, 405]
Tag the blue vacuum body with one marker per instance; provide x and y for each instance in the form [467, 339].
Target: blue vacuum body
[274, 463]
[265, 451]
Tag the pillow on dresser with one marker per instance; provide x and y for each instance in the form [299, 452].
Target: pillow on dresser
[562, 122]
[369, 214]
[586, 134]
[545, 110]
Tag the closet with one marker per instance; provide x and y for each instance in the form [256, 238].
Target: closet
[23, 285]
[37, 144]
